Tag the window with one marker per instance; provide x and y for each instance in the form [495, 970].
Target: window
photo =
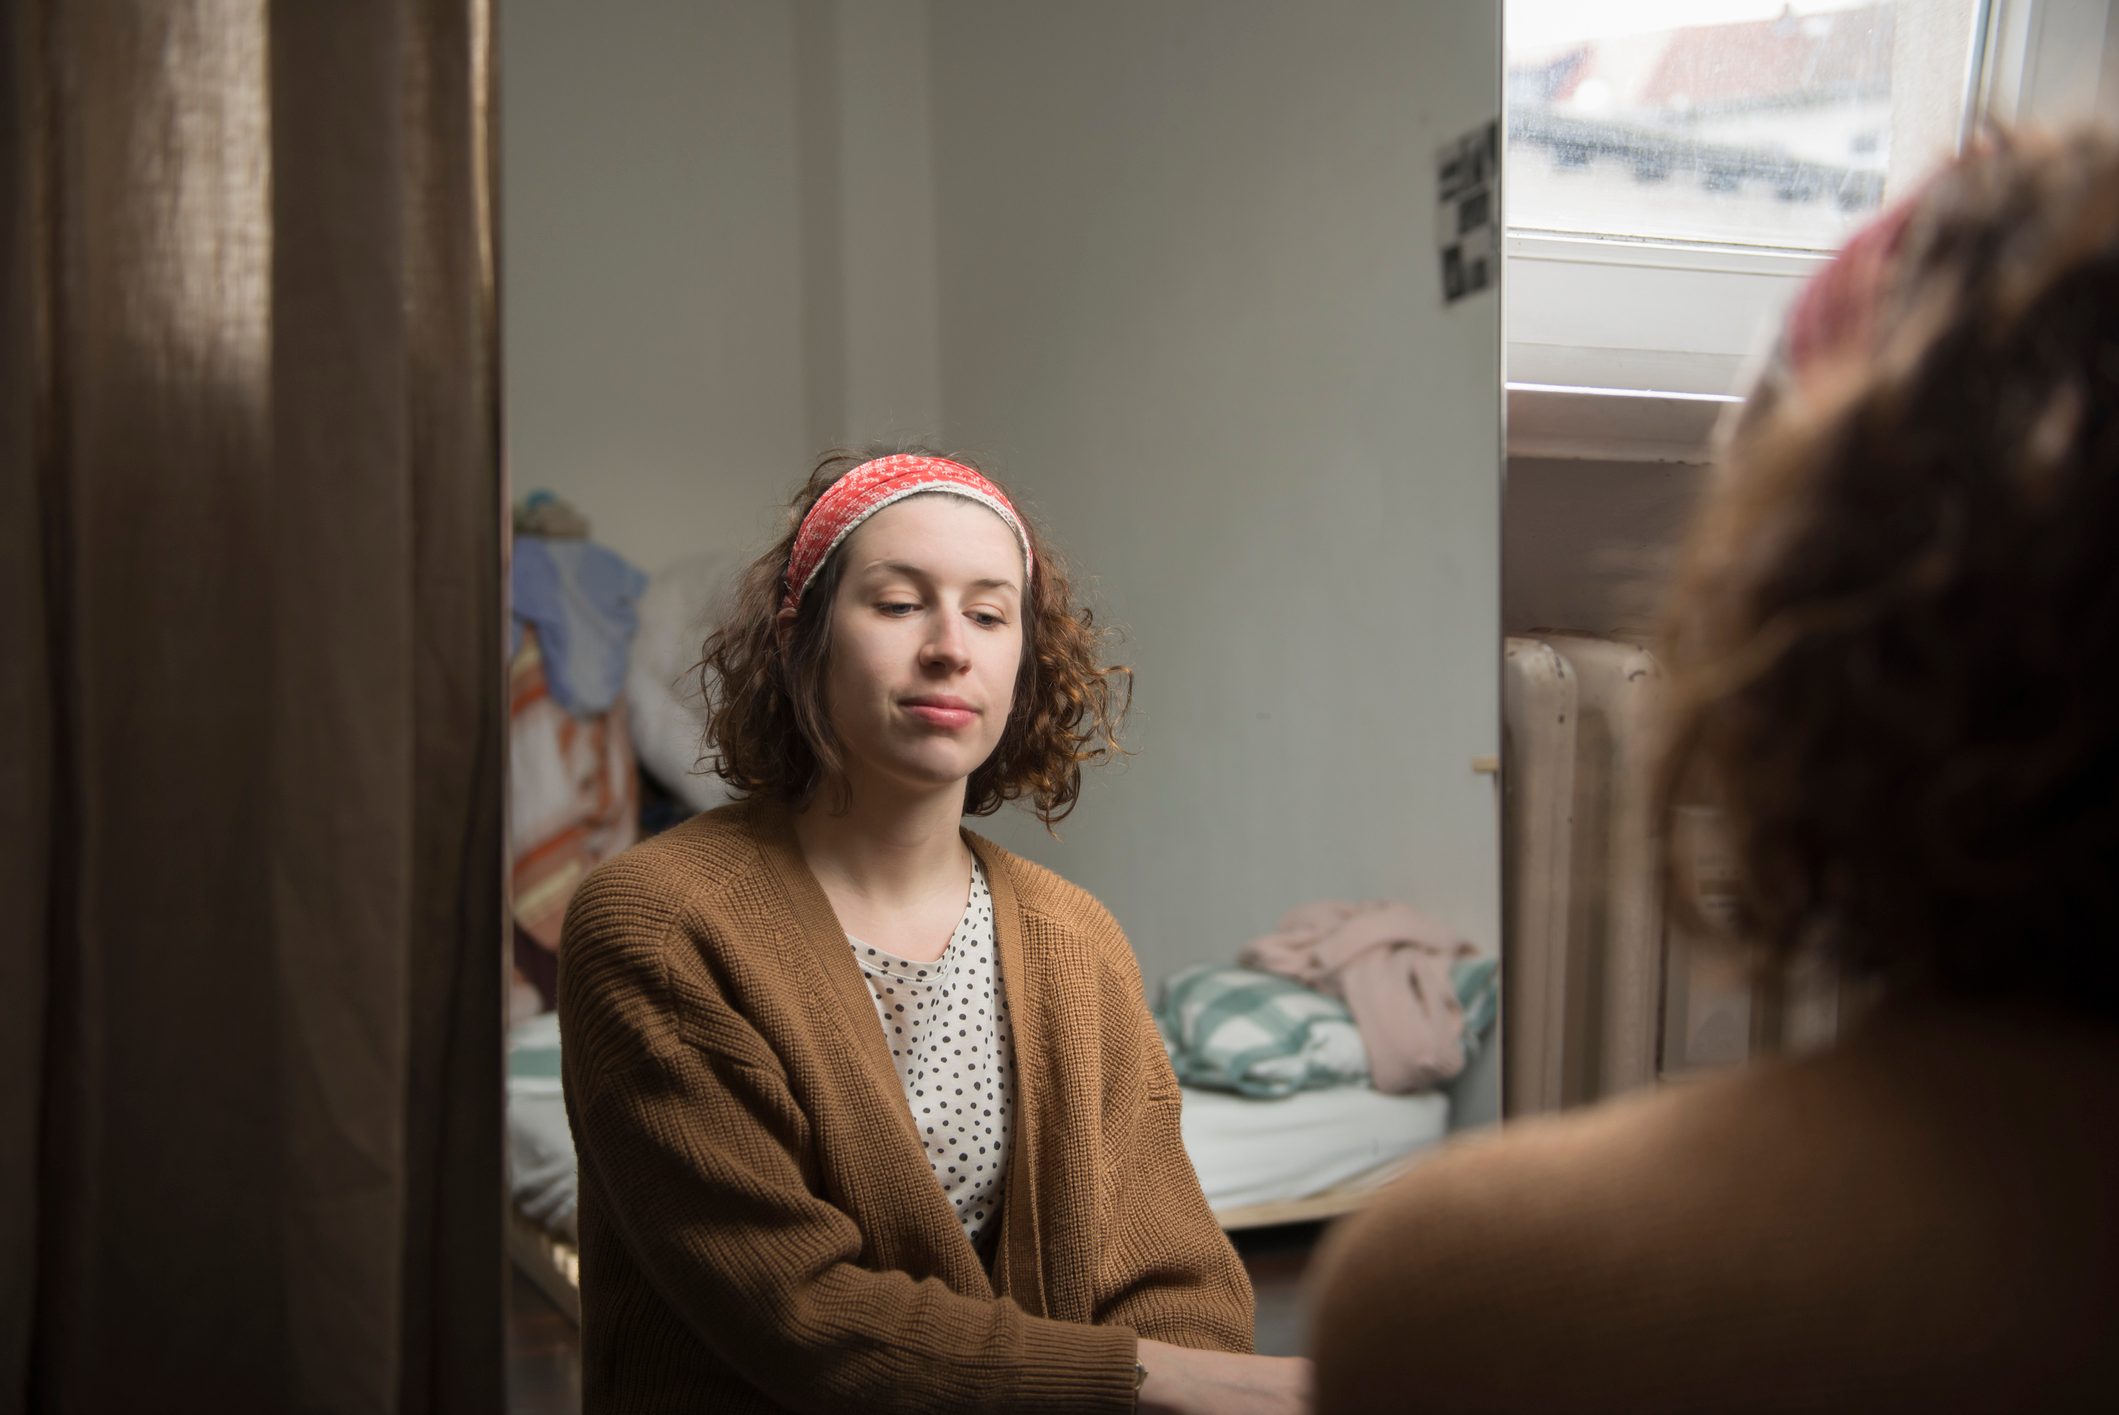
[1740, 122]
[1676, 168]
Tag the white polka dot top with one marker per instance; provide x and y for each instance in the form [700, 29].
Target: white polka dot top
[947, 1025]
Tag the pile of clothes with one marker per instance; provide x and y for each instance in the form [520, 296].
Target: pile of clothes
[1340, 994]
[573, 786]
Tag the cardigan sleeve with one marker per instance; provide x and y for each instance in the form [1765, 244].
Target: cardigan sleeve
[1169, 1270]
[695, 1147]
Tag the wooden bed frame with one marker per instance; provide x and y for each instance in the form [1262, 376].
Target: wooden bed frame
[550, 1261]
[1336, 1202]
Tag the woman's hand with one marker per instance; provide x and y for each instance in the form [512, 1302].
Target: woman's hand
[1182, 1381]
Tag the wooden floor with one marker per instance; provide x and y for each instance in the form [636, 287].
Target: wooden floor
[544, 1353]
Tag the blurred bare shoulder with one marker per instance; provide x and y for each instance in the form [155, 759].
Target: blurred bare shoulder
[1833, 1231]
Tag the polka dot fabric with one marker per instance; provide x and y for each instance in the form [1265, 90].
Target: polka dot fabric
[947, 1025]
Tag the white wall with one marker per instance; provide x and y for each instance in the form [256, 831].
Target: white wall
[653, 299]
[718, 256]
[1192, 309]
[1171, 269]
[886, 217]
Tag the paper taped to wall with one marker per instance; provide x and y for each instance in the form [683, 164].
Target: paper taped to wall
[1467, 226]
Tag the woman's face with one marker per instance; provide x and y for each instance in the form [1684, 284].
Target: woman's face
[927, 636]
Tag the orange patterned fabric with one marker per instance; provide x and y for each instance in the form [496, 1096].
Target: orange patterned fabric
[574, 799]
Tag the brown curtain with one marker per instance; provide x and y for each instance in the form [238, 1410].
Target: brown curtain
[250, 592]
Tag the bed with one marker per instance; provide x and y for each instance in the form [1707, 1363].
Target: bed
[1300, 1159]
[1313, 1155]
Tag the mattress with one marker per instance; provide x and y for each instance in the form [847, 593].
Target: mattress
[1259, 1160]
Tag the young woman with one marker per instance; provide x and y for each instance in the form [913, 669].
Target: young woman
[1893, 655]
[871, 1113]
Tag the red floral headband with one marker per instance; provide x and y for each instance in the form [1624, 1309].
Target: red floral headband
[870, 487]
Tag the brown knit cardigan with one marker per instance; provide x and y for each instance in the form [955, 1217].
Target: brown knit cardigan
[759, 1226]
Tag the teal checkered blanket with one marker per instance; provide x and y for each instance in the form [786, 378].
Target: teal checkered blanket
[1259, 1034]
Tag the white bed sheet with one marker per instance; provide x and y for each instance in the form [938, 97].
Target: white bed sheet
[540, 1146]
[1250, 1151]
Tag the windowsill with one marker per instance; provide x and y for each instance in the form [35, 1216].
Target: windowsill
[1629, 351]
[1603, 314]
[1565, 423]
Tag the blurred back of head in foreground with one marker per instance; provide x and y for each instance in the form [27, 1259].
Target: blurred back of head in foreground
[1894, 632]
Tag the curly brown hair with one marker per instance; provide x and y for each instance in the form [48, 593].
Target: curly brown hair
[769, 730]
[1893, 632]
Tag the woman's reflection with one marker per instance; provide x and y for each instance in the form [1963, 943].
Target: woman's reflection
[871, 1112]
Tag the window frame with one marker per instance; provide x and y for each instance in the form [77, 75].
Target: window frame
[1616, 346]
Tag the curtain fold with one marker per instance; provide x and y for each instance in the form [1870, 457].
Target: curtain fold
[251, 529]
[28, 810]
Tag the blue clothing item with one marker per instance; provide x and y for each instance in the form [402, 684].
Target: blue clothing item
[580, 597]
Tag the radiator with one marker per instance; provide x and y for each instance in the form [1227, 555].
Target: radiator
[1605, 991]
[1537, 826]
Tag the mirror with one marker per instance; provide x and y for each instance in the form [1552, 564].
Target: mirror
[1209, 287]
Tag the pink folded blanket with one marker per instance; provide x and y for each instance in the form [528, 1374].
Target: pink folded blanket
[1390, 964]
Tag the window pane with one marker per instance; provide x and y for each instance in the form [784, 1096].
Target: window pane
[1726, 120]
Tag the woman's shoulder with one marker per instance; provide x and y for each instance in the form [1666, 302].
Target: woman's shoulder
[1758, 1153]
[1548, 1259]
[644, 890]
[1492, 1197]
[645, 927]
[1738, 1216]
